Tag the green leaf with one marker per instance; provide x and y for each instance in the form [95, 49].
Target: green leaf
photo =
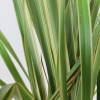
[79, 91]
[85, 40]
[9, 47]
[62, 52]
[16, 91]
[36, 60]
[94, 11]
[51, 17]
[2, 83]
[96, 34]
[69, 28]
[31, 51]
[4, 91]
[11, 67]
[24, 93]
[19, 9]
[73, 70]
[69, 76]
[36, 10]
[76, 90]
[13, 93]
[96, 66]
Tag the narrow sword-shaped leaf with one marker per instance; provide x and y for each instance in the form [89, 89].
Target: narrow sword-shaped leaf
[35, 58]
[32, 51]
[94, 12]
[69, 32]
[62, 52]
[74, 89]
[85, 39]
[9, 47]
[37, 14]
[51, 16]
[10, 65]
[96, 34]
[19, 9]
[79, 91]
[96, 66]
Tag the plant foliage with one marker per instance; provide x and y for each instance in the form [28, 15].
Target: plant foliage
[67, 32]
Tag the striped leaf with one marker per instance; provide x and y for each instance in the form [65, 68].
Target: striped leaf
[85, 40]
[62, 52]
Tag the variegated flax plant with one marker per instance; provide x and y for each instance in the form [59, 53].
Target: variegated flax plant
[65, 65]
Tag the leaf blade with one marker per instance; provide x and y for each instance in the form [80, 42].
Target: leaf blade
[85, 39]
[10, 64]
[62, 52]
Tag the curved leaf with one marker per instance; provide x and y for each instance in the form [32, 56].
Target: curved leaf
[11, 67]
[9, 47]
